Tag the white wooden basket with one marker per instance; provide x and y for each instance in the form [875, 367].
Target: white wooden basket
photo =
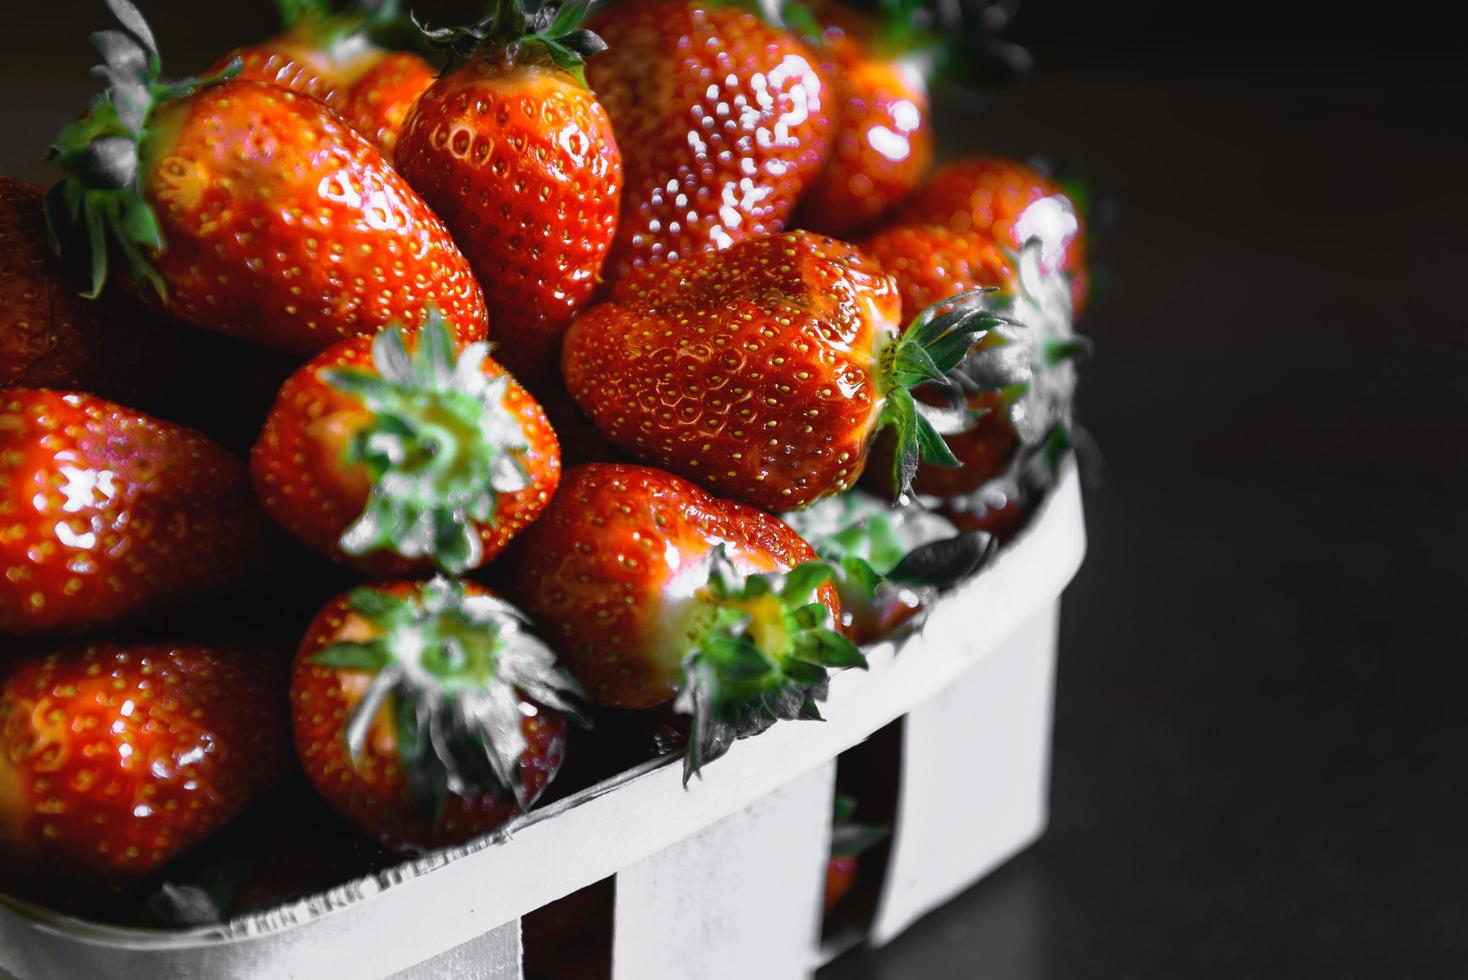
[722, 881]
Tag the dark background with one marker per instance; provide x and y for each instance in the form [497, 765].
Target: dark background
[1259, 765]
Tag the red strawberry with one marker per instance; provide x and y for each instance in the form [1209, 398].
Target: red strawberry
[653, 590]
[398, 462]
[518, 157]
[425, 713]
[49, 336]
[250, 210]
[723, 121]
[1018, 375]
[332, 56]
[763, 372]
[848, 841]
[1010, 203]
[106, 513]
[884, 132]
[114, 759]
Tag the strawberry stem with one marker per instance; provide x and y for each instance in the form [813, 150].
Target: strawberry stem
[98, 206]
[761, 651]
[554, 30]
[929, 351]
[442, 444]
[453, 668]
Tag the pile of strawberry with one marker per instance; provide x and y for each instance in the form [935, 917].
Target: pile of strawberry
[528, 347]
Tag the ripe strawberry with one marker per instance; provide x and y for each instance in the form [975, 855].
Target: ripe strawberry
[333, 56]
[397, 462]
[653, 590]
[249, 210]
[763, 372]
[1019, 375]
[723, 121]
[425, 713]
[49, 336]
[515, 153]
[884, 133]
[106, 513]
[1011, 204]
[114, 759]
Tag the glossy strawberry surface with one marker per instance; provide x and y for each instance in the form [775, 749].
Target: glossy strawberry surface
[722, 119]
[519, 159]
[304, 480]
[1010, 203]
[106, 513]
[883, 145]
[611, 570]
[371, 88]
[751, 371]
[281, 225]
[373, 791]
[113, 759]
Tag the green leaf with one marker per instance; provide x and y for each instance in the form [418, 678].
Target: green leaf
[861, 575]
[352, 656]
[901, 414]
[737, 658]
[803, 580]
[932, 447]
[804, 673]
[831, 649]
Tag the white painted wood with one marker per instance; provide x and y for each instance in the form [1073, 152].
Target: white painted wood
[736, 900]
[496, 955]
[975, 776]
[376, 926]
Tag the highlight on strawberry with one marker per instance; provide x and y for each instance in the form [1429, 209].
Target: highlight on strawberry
[110, 514]
[653, 590]
[403, 455]
[878, 66]
[116, 758]
[765, 371]
[515, 153]
[343, 55]
[247, 209]
[723, 118]
[426, 712]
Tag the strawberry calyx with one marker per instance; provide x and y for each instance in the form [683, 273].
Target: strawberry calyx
[440, 446]
[99, 205]
[929, 352]
[1030, 357]
[453, 667]
[760, 651]
[508, 34]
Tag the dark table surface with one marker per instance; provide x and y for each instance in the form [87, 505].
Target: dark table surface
[1259, 766]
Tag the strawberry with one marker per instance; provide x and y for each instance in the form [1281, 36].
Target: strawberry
[515, 153]
[1009, 203]
[1020, 376]
[106, 513]
[49, 336]
[397, 462]
[114, 759]
[884, 132]
[723, 121]
[849, 840]
[764, 371]
[653, 590]
[425, 713]
[333, 56]
[248, 209]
